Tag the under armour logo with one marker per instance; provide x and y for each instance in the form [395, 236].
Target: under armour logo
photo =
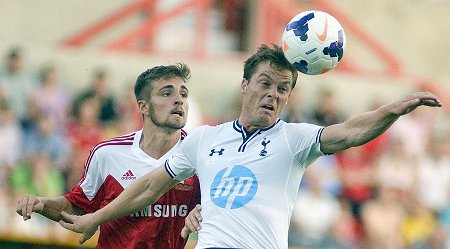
[219, 151]
[264, 151]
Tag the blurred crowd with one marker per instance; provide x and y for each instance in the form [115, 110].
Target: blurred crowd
[47, 131]
[391, 193]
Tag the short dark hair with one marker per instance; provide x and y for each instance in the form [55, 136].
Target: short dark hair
[145, 79]
[276, 58]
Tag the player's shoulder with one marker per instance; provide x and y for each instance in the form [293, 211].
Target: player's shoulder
[300, 125]
[209, 130]
[303, 130]
[219, 128]
[113, 144]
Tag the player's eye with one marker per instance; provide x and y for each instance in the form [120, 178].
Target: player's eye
[282, 89]
[184, 94]
[165, 93]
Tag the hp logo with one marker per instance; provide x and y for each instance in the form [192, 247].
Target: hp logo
[233, 187]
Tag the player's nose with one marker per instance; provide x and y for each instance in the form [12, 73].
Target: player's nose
[179, 99]
[272, 93]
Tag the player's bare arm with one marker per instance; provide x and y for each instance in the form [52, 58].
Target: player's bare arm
[362, 128]
[137, 196]
[50, 207]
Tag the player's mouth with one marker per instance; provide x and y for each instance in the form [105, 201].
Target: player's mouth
[177, 113]
[268, 107]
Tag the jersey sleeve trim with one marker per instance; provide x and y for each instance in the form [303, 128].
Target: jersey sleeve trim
[168, 169]
[319, 134]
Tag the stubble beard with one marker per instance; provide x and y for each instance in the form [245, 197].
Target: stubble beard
[166, 124]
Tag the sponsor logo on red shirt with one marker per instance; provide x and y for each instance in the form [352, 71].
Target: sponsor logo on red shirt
[128, 175]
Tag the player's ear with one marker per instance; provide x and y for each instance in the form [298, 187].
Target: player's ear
[244, 84]
[143, 106]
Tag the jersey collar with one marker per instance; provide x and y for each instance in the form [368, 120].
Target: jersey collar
[140, 153]
[247, 136]
[241, 129]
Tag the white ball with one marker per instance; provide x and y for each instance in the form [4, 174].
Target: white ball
[313, 42]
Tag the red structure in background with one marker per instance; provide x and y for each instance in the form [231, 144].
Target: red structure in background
[141, 38]
[269, 18]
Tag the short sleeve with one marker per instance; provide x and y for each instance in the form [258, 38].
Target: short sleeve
[304, 141]
[89, 192]
[183, 162]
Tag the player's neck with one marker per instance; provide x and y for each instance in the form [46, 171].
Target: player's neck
[156, 141]
[249, 126]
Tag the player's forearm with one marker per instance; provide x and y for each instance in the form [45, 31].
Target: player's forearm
[367, 126]
[357, 130]
[145, 191]
[134, 198]
[54, 205]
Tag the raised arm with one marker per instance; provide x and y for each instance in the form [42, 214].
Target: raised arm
[362, 128]
[137, 196]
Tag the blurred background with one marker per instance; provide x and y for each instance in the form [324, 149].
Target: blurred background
[68, 69]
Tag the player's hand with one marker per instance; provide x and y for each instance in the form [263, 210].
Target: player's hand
[28, 204]
[192, 222]
[81, 224]
[415, 100]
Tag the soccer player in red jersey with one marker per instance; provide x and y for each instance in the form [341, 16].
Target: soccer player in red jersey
[114, 164]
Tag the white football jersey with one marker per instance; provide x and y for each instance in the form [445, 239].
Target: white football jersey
[249, 182]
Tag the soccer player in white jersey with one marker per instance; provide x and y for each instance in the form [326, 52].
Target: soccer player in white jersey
[250, 169]
[115, 164]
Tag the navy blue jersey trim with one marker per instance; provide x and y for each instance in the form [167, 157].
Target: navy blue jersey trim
[246, 136]
[236, 125]
[319, 133]
[168, 169]
[246, 141]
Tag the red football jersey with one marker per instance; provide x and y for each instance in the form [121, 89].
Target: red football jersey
[111, 167]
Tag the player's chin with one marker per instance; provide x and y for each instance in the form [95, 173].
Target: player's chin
[266, 119]
[176, 124]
